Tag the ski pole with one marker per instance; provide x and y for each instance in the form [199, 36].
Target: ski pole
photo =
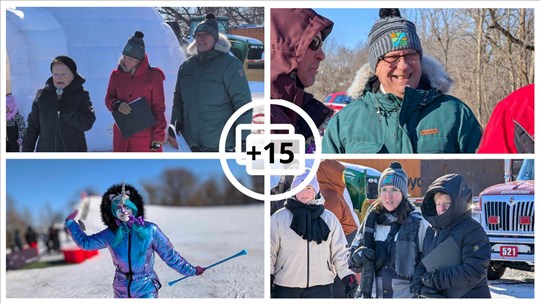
[243, 252]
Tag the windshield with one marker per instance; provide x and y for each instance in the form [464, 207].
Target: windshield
[527, 170]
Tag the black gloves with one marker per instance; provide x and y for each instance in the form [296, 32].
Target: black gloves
[428, 292]
[424, 286]
[416, 285]
[360, 256]
[428, 279]
[351, 285]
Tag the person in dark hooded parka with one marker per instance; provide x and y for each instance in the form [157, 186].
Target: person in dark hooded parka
[446, 207]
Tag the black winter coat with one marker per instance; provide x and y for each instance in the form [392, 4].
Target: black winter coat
[457, 223]
[59, 125]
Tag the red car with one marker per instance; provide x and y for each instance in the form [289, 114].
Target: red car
[337, 101]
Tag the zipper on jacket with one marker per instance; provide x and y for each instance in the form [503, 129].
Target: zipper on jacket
[129, 275]
[307, 283]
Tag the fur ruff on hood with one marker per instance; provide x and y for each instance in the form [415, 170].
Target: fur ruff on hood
[432, 71]
[107, 216]
[223, 45]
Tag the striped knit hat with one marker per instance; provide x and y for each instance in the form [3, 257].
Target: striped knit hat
[391, 33]
[208, 25]
[395, 176]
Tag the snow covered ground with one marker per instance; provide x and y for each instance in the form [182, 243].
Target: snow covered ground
[201, 235]
[514, 284]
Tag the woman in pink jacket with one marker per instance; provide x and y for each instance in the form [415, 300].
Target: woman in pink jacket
[135, 78]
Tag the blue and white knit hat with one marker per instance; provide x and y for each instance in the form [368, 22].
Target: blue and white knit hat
[391, 33]
[395, 176]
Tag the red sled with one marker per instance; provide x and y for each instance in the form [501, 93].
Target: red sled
[76, 256]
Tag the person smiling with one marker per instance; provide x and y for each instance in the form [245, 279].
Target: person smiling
[61, 112]
[400, 100]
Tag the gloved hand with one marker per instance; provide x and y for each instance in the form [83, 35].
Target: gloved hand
[351, 286]
[199, 270]
[428, 279]
[72, 215]
[428, 292]
[361, 256]
[416, 286]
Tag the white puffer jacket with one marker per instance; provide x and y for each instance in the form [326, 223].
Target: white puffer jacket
[299, 264]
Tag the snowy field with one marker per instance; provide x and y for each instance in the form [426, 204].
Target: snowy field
[201, 235]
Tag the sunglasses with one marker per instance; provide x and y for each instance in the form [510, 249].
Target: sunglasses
[316, 43]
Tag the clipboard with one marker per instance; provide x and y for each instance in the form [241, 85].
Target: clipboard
[446, 254]
[140, 118]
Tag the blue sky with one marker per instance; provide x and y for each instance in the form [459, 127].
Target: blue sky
[34, 182]
[351, 25]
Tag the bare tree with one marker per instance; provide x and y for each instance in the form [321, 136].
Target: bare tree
[236, 15]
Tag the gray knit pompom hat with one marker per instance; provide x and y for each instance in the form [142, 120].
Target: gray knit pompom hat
[209, 25]
[391, 33]
[395, 176]
[135, 46]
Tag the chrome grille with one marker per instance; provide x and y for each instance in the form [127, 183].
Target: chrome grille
[509, 214]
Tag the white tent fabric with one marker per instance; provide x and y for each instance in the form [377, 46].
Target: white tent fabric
[94, 37]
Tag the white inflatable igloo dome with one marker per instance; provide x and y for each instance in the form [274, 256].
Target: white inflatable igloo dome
[94, 37]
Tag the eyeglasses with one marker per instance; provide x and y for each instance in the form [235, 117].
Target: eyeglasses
[413, 57]
[316, 43]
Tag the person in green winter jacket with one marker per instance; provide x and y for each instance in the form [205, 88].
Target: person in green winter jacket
[400, 103]
[211, 86]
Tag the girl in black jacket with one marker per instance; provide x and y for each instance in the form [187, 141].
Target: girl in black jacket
[61, 112]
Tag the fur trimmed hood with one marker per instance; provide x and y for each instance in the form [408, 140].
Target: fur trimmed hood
[107, 216]
[433, 77]
[223, 45]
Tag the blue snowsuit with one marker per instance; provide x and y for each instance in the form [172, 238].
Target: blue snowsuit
[133, 258]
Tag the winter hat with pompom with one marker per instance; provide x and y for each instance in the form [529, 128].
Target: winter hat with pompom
[209, 25]
[395, 176]
[135, 46]
[391, 33]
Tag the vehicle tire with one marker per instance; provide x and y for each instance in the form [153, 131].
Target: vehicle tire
[496, 270]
